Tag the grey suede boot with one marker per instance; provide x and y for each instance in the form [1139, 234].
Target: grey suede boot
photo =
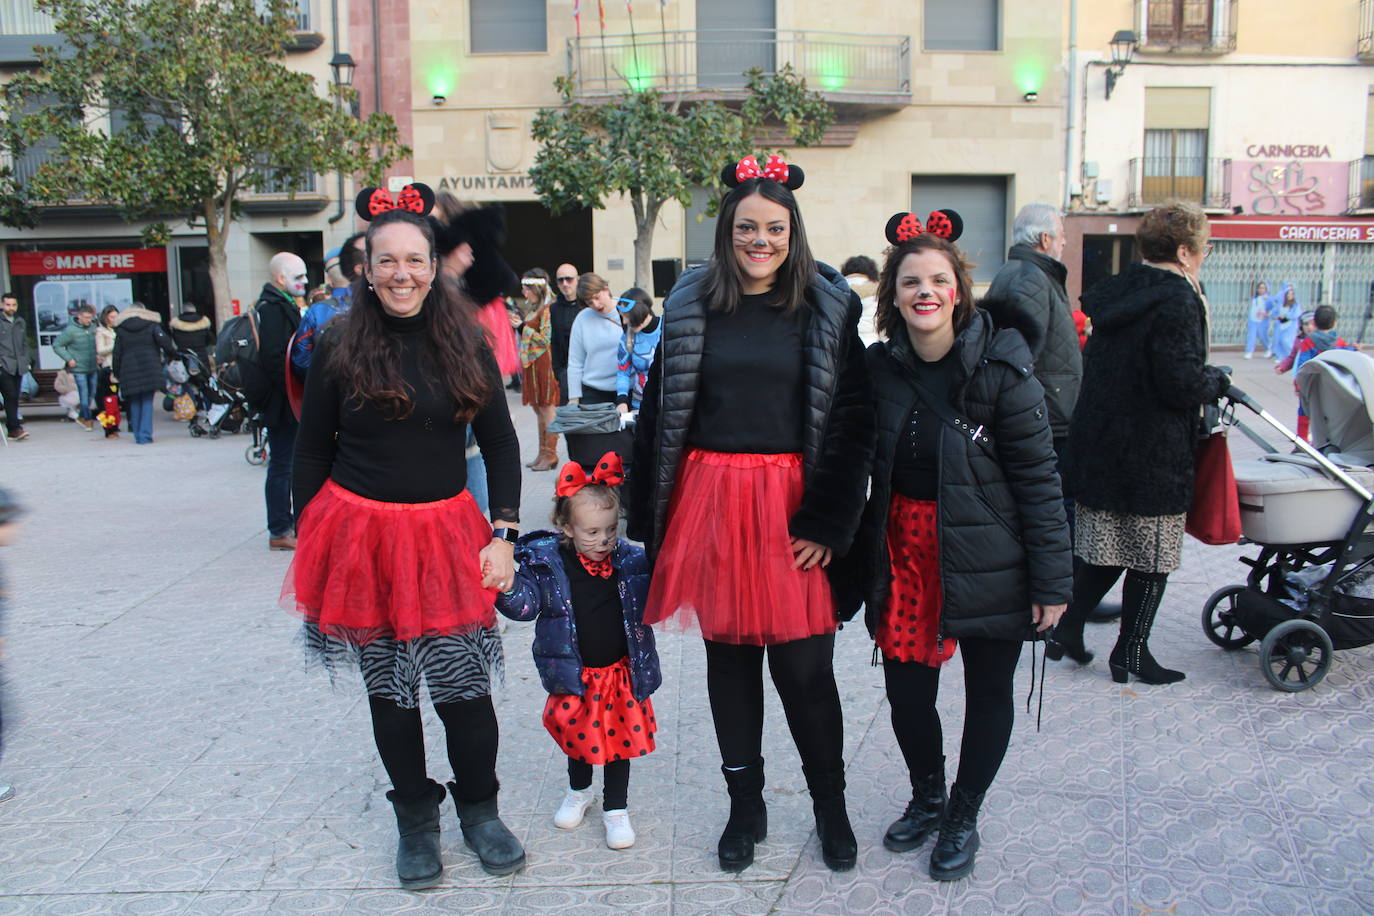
[483, 832]
[418, 862]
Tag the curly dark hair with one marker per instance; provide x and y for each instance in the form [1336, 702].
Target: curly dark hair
[888, 318]
[860, 264]
[365, 354]
[1168, 226]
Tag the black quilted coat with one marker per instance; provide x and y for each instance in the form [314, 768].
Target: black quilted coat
[1145, 379]
[838, 436]
[1004, 541]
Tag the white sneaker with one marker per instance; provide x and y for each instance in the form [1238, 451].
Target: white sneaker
[1249, 356]
[6, 793]
[619, 833]
[574, 808]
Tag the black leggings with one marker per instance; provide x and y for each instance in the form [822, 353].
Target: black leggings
[616, 792]
[989, 665]
[470, 728]
[805, 681]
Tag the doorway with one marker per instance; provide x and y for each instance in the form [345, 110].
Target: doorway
[1105, 256]
[537, 238]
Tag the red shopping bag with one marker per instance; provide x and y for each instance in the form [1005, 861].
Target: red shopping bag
[1214, 517]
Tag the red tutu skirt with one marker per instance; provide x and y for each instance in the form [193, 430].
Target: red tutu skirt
[725, 567]
[366, 570]
[606, 723]
[909, 629]
[500, 335]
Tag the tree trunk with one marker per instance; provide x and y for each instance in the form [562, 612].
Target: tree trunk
[646, 217]
[215, 234]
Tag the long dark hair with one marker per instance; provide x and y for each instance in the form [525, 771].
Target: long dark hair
[724, 281]
[888, 317]
[366, 354]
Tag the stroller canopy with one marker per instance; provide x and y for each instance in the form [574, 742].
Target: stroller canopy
[1334, 387]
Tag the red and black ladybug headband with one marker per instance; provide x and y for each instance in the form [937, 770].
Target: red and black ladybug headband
[414, 198]
[774, 169]
[945, 224]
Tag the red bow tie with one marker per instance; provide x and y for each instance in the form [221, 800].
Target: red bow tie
[602, 568]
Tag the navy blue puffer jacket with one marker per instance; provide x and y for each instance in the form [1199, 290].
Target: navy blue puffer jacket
[541, 592]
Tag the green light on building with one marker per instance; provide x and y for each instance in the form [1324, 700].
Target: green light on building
[833, 73]
[638, 72]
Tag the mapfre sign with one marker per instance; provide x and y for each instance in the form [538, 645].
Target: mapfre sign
[118, 261]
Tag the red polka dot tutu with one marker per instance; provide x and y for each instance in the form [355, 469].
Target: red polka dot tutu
[909, 629]
[606, 723]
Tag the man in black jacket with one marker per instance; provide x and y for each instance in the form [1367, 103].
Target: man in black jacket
[278, 318]
[1028, 294]
[15, 360]
[562, 311]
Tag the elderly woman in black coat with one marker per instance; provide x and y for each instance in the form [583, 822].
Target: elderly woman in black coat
[1130, 459]
[964, 536]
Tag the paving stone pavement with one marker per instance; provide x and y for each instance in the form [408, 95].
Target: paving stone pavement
[171, 754]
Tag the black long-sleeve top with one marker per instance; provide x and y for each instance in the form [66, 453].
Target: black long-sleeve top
[916, 463]
[416, 459]
[562, 313]
[750, 398]
[597, 614]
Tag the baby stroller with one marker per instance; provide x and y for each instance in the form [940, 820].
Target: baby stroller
[1310, 590]
[219, 408]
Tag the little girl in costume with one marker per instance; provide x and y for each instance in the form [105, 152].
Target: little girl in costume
[595, 656]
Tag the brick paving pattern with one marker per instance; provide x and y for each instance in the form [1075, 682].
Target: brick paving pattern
[171, 755]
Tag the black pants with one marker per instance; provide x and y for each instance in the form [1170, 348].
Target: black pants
[616, 792]
[9, 392]
[805, 680]
[912, 688]
[472, 736]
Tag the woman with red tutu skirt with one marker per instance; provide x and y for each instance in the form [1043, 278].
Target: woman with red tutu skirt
[964, 533]
[396, 571]
[751, 458]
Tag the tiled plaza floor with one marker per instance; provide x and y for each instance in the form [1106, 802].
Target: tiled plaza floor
[171, 755]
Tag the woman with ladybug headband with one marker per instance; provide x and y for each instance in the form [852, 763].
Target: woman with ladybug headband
[964, 537]
[751, 457]
[396, 572]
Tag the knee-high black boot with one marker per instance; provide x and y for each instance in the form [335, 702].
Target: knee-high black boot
[748, 822]
[839, 849]
[1141, 597]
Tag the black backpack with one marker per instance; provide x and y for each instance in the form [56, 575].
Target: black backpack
[236, 357]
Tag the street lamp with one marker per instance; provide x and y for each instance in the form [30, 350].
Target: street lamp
[1123, 49]
[343, 66]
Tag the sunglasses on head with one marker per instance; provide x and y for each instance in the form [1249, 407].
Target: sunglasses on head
[624, 305]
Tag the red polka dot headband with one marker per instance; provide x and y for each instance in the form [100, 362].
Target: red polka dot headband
[414, 198]
[609, 472]
[945, 224]
[773, 169]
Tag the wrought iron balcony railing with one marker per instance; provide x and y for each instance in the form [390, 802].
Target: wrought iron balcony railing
[1196, 26]
[839, 65]
[276, 183]
[1156, 179]
[1361, 185]
[1364, 38]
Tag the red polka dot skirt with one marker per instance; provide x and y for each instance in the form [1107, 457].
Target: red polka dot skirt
[909, 629]
[606, 723]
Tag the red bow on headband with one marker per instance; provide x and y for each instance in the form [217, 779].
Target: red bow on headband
[945, 224]
[774, 168]
[610, 472]
[414, 198]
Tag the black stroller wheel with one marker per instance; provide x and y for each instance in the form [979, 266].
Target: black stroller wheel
[1295, 655]
[255, 455]
[1219, 619]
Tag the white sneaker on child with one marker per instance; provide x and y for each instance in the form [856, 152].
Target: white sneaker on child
[574, 808]
[619, 833]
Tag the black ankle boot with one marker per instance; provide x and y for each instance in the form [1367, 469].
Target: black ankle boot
[497, 848]
[928, 799]
[1141, 598]
[839, 849]
[748, 822]
[418, 862]
[957, 847]
[1069, 642]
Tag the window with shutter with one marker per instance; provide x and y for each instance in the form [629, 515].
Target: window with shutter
[962, 25]
[982, 201]
[508, 26]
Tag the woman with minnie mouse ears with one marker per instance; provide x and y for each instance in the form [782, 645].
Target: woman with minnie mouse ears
[751, 457]
[595, 656]
[964, 535]
[396, 572]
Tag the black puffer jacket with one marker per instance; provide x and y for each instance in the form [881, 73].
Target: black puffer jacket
[1145, 380]
[1028, 294]
[140, 344]
[278, 320]
[837, 442]
[1004, 541]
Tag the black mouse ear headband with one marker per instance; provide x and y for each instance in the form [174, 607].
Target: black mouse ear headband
[774, 169]
[415, 198]
[945, 224]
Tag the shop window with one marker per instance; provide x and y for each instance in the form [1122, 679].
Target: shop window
[982, 201]
[508, 26]
[962, 25]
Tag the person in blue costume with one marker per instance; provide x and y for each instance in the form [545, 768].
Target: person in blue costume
[1257, 333]
[1285, 310]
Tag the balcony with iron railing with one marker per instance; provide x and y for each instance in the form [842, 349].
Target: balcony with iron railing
[278, 194]
[1364, 38]
[1361, 199]
[1156, 179]
[21, 20]
[1187, 26]
[865, 72]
